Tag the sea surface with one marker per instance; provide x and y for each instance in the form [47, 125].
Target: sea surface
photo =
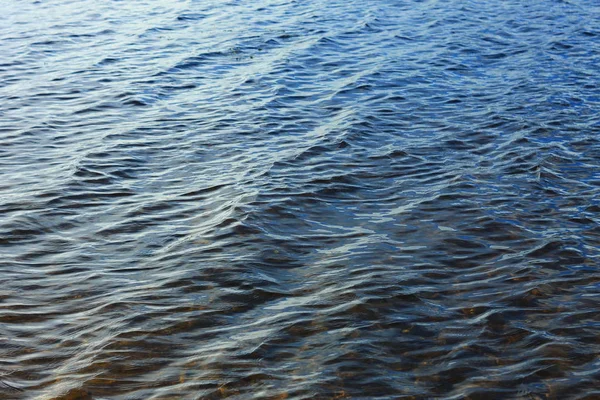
[281, 199]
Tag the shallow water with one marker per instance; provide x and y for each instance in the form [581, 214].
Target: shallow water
[300, 199]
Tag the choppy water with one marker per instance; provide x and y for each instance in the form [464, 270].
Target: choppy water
[300, 199]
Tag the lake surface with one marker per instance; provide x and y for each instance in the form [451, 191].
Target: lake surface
[300, 199]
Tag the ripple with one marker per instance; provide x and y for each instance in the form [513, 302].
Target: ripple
[299, 200]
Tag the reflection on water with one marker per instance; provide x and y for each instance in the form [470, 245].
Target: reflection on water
[299, 199]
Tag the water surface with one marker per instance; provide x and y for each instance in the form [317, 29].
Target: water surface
[300, 199]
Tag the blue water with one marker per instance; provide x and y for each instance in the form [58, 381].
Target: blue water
[300, 199]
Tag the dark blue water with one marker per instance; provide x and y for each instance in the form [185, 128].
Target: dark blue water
[300, 199]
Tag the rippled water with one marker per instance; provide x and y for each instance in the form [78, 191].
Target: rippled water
[300, 199]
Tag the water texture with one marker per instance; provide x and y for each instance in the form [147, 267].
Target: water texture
[300, 199]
